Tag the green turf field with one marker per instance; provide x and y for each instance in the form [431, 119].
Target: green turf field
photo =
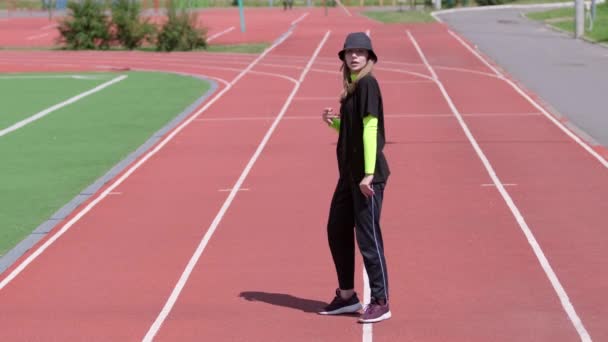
[43, 91]
[390, 17]
[48, 162]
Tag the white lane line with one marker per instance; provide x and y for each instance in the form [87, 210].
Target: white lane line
[344, 8]
[504, 184]
[376, 69]
[37, 36]
[312, 98]
[472, 71]
[407, 82]
[401, 71]
[561, 126]
[557, 286]
[367, 297]
[220, 33]
[230, 189]
[238, 118]
[49, 110]
[283, 66]
[201, 247]
[300, 18]
[367, 329]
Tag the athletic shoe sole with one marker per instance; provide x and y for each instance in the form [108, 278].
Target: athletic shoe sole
[344, 309]
[374, 320]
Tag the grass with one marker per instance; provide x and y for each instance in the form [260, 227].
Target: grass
[527, 2]
[401, 17]
[238, 48]
[566, 13]
[48, 162]
[44, 92]
[22, 4]
[563, 19]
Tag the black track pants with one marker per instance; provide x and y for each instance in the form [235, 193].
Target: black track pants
[350, 209]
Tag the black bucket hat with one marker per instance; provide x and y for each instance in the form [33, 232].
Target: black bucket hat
[358, 40]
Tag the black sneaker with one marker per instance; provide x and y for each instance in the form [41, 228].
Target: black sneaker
[341, 306]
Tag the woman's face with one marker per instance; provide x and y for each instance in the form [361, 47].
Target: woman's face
[356, 59]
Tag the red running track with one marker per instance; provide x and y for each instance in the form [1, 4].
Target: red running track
[460, 266]
[222, 25]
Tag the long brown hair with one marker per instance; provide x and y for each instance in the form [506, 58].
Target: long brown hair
[350, 85]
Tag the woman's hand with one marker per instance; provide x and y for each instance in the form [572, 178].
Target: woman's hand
[329, 115]
[366, 186]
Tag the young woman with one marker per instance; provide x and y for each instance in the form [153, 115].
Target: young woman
[357, 200]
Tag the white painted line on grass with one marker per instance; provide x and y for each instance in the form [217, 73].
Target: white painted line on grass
[557, 286]
[48, 111]
[218, 218]
[561, 126]
[220, 33]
